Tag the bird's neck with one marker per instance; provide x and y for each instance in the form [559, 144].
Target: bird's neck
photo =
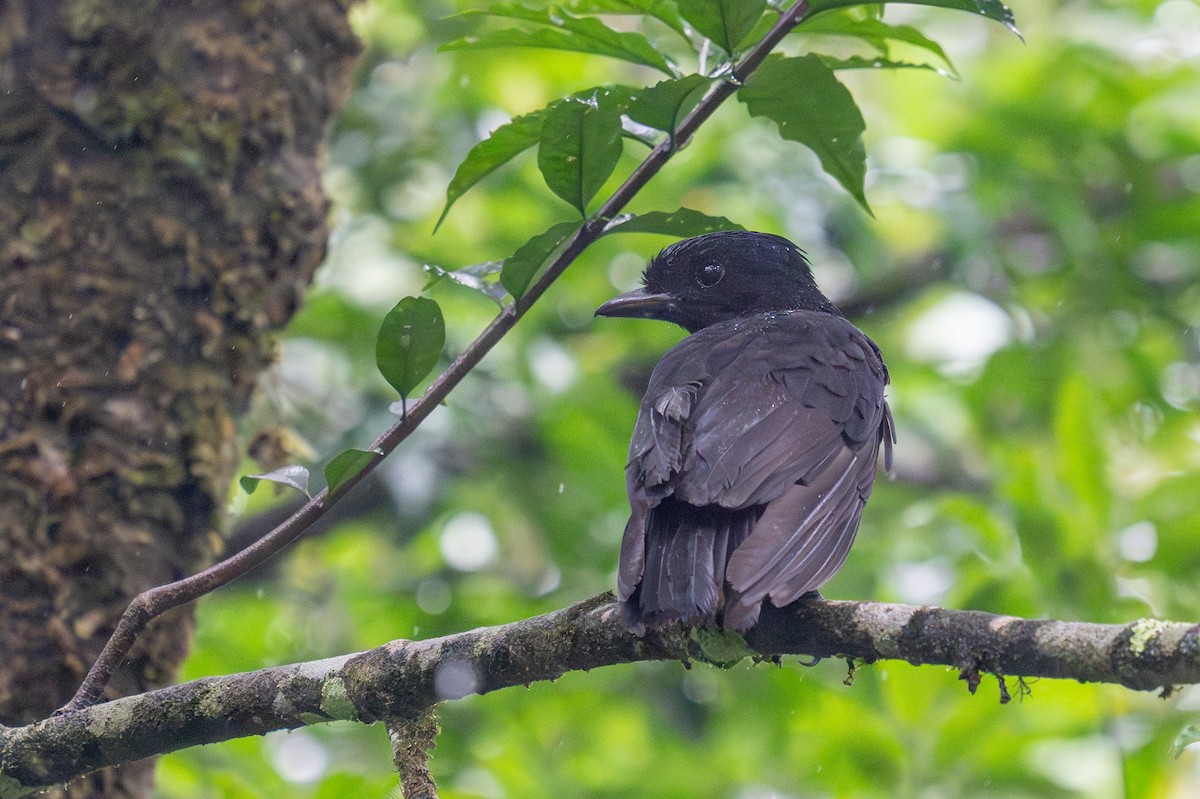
[693, 323]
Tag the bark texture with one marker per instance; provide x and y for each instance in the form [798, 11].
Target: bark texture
[413, 740]
[160, 218]
[403, 681]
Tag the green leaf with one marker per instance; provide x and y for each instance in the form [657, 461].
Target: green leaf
[662, 105]
[473, 277]
[724, 22]
[409, 343]
[293, 476]
[348, 464]
[992, 9]
[522, 265]
[614, 94]
[511, 139]
[505, 143]
[858, 62]
[682, 223]
[1186, 737]
[564, 31]
[802, 96]
[878, 35]
[662, 10]
[580, 147]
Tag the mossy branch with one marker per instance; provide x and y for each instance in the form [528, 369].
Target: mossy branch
[406, 679]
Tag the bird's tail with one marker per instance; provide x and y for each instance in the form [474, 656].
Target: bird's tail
[685, 551]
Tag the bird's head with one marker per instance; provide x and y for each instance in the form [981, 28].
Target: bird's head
[716, 277]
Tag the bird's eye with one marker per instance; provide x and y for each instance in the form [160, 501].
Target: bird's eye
[710, 275]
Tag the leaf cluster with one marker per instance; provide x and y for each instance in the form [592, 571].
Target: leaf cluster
[579, 138]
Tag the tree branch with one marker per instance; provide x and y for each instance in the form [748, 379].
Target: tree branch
[407, 679]
[156, 601]
[412, 740]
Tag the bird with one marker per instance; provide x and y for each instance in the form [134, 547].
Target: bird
[757, 440]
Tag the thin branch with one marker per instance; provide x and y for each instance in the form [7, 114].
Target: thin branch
[412, 739]
[160, 599]
[370, 497]
[406, 679]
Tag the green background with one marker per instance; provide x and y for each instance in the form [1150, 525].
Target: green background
[1032, 274]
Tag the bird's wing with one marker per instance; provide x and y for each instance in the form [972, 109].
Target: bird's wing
[784, 410]
[802, 538]
[738, 412]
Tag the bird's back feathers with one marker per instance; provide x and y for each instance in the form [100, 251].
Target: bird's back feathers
[753, 455]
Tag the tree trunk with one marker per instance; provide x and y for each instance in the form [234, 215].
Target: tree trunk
[160, 218]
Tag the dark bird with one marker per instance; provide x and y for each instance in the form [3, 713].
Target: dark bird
[757, 439]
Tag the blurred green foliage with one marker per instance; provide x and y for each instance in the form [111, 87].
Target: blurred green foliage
[1031, 277]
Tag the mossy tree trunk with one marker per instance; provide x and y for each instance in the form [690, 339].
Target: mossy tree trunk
[160, 217]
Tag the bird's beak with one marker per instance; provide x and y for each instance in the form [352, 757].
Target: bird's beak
[639, 304]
